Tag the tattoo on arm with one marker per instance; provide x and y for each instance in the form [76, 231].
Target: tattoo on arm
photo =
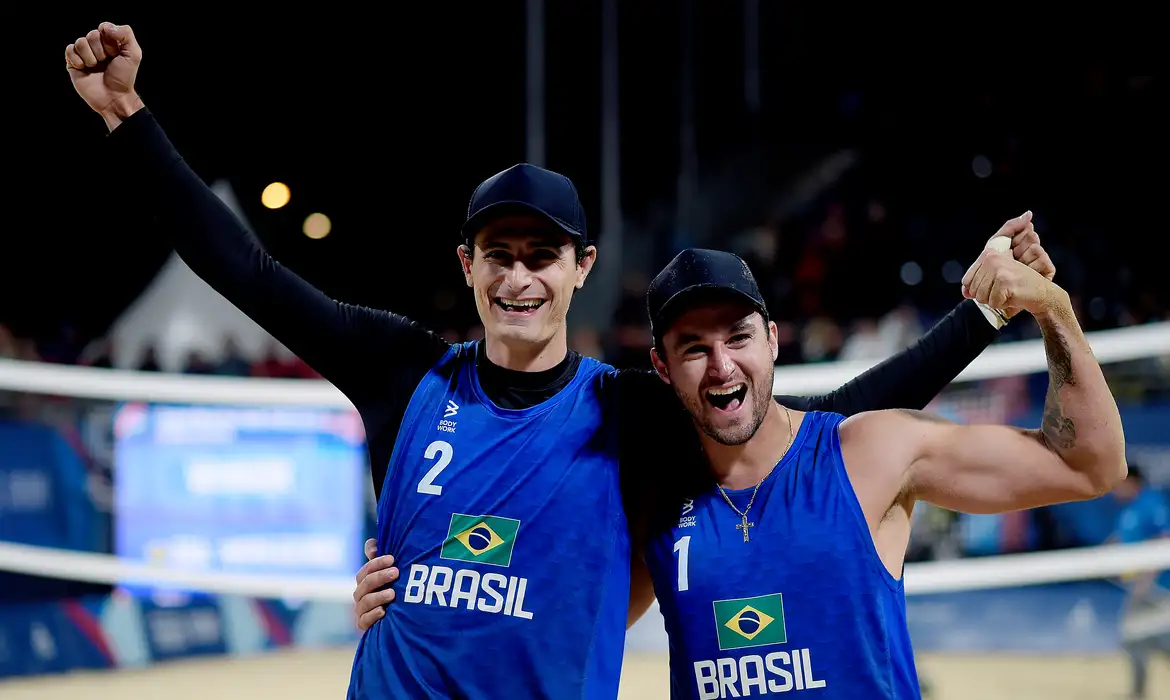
[1057, 428]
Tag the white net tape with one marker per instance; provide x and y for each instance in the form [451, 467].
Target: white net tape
[935, 577]
[1008, 359]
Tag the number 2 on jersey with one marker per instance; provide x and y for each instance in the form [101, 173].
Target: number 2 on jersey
[683, 547]
[443, 451]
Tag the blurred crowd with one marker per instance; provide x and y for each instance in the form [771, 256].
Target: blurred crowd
[835, 286]
[230, 361]
[839, 290]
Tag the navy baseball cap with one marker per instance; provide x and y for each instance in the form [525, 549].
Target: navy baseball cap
[696, 272]
[527, 189]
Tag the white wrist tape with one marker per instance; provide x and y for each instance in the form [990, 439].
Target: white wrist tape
[996, 318]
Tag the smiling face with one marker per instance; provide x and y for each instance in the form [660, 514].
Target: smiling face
[523, 272]
[719, 358]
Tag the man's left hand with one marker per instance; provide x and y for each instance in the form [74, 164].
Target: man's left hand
[1026, 248]
[372, 595]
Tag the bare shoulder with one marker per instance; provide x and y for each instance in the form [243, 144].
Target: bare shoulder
[877, 420]
[889, 429]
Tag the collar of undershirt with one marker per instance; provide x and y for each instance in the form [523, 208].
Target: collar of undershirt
[492, 373]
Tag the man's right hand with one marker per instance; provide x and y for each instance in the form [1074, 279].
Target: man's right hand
[103, 65]
[369, 600]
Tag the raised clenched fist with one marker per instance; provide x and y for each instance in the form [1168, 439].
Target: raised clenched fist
[1025, 244]
[1025, 247]
[103, 65]
[1002, 282]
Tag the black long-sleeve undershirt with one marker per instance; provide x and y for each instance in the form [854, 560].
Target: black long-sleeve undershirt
[377, 358]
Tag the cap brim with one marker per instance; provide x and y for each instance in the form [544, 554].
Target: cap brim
[481, 218]
[675, 306]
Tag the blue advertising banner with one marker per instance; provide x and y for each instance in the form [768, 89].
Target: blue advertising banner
[1081, 617]
[43, 502]
[242, 490]
[123, 631]
[38, 638]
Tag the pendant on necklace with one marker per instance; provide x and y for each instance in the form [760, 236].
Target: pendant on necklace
[744, 526]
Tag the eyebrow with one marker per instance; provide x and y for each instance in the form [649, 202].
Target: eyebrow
[542, 241]
[744, 324]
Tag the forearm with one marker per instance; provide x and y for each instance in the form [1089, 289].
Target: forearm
[915, 376]
[121, 109]
[353, 347]
[1081, 422]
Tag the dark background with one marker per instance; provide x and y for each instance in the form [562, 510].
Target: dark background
[386, 120]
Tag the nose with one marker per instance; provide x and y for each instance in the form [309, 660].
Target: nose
[518, 275]
[719, 364]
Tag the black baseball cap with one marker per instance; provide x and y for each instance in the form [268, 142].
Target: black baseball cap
[527, 189]
[699, 273]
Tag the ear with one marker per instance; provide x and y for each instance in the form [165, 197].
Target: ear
[586, 264]
[659, 366]
[466, 255]
[773, 340]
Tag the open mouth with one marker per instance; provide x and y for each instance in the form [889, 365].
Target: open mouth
[519, 306]
[727, 398]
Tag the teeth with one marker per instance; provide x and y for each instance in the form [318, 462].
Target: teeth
[725, 392]
[524, 303]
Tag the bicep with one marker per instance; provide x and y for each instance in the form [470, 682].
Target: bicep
[988, 468]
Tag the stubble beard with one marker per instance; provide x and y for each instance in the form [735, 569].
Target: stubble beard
[761, 396]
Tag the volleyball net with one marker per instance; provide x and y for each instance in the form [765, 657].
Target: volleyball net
[165, 515]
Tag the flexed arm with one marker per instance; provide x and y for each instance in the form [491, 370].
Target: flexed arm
[1077, 453]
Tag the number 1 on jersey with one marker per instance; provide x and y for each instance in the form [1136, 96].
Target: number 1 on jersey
[683, 548]
[444, 451]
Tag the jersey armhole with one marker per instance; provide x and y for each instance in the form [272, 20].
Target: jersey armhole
[857, 514]
[446, 365]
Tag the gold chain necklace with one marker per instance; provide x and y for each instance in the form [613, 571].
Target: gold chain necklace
[744, 524]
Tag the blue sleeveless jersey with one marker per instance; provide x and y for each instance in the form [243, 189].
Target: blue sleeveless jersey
[805, 606]
[509, 534]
